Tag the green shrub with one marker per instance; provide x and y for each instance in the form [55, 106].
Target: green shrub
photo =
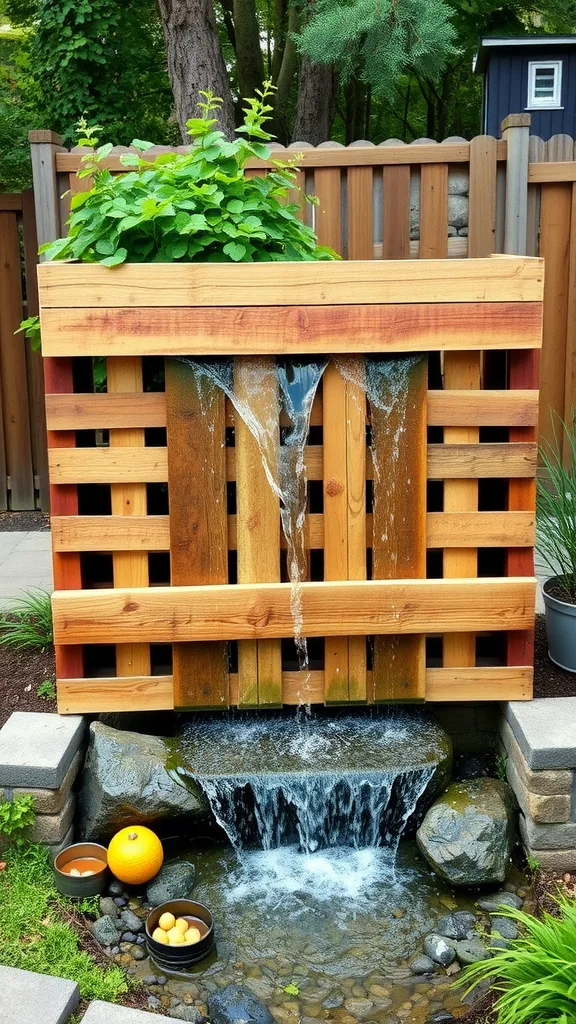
[16, 815]
[28, 625]
[33, 933]
[47, 690]
[197, 206]
[536, 975]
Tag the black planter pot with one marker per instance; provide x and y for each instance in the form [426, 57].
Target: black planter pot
[72, 885]
[179, 958]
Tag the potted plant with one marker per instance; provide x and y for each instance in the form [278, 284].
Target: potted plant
[556, 542]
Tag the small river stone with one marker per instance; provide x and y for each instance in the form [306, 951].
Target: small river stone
[107, 907]
[128, 937]
[333, 1001]
[236, 1003]
[137, 953]
[499, 943]
[456, 926]
[421, 965]
[498, 899]
[130, 922]
[120, 901]
[104, 930]
[439, 950]
[115, 888]
[469, 951]
[443, 1017]
[187, 1013]
[505, 927]
[154, 1003]
[359, 1008]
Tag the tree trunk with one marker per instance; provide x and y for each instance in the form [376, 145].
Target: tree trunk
[280, 126]
[195, 60]
[249, 61]
[316, 100]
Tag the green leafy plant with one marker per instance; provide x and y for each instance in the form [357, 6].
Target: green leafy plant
[47, 690]
[28, 625]
[556, 509]
[197, 206]
[16, 815]
[292, 989]
[35, 929]
[500, 767]
[533, 864]
[536, 975]
[31, 328]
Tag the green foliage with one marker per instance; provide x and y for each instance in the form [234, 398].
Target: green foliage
[556, 508]
[292, 989]
[183, 207]
[533, 864]
[537, 973]
[35, 937]
[378, 40]
[28, 625]
[47, 690]
[31, 328]
[501, 762]
[16, 815]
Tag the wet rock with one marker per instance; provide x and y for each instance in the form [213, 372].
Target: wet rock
[498, 900]
[107, 907]
[149, 979]
[130, 922]
[128, 937]
[456, 926]
[120, 901]
[443, 1017]
[499, 943]
[468, 834]
[234, 1004]
[469, 951]
[505, 927]
[439, 950]
[137, 953]
[261, 987]
[173, 882]
[421, 965]
[154, 1003]
[359, 1008]
[104, 930]
[189, 1013]
[115, 888]
[125, 780]
[333, 1001]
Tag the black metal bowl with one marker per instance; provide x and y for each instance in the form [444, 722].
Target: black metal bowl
[90, 885]
[178, 958]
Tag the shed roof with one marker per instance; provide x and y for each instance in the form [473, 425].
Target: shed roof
[488, 44]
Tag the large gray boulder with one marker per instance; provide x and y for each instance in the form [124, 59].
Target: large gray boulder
[237, 1005]
[125, 782]
[468, 834]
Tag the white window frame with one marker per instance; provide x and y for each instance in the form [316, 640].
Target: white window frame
[544, 102]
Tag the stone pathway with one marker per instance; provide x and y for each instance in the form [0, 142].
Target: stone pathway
[25, 562]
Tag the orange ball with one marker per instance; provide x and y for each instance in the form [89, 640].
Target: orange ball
[135, 855]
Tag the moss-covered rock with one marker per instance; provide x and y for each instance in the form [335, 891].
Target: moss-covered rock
[468, 834]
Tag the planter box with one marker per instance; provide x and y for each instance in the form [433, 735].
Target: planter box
[167, 533]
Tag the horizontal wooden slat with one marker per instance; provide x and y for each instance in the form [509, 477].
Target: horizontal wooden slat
[262, 611]
[563, 170]
[154, 693]
[289, 330]
[10, 201]
[150, 465]
[357, 156]
[444, 408]
[151, 533]
[482, 408]
[357, 282]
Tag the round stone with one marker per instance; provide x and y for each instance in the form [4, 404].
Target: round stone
[439, 950]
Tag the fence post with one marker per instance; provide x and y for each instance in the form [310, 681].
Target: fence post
[516, 132]
[43, 147]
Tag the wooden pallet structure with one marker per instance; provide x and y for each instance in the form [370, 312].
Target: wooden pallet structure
[169, 561]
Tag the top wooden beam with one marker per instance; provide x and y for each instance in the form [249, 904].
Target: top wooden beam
[562, 170]
[68, 285]
[344, 156]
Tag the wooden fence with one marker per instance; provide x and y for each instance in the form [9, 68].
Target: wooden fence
[23, 465]
[171, 580]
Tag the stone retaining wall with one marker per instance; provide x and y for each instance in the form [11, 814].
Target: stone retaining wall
[539, 740]
[41, 755]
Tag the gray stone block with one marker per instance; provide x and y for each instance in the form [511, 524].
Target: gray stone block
[548, 837]
[37, 749]
[544, 810]
[51, 828]
[545, 730]
[28, 998]
[55, 848]
[48, 801]
[549, 782]
[110, 1013]
[554, 860]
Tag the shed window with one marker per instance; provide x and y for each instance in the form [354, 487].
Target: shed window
[544, 83]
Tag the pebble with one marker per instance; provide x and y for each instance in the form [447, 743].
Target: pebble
[108, 907]
[104, 930]
[120, 901]
[189, 1013]
[505, 927]
[333, 1001]
[154, 1003]
[379, 991]
[499, 899]
[457, 925]
[359, 1008]
[421, 964]
[128, 937]
[131, 922]
[469, 951]
[500, 943]
[115, 888]
[439, 950]
[138, 953]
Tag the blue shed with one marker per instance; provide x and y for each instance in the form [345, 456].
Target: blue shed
[529, 73]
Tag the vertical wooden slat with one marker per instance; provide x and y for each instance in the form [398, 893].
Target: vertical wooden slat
[360, 225]
[124, 375]
[536, 154]
[399, 524]
[15, 407]
[335, 521]
[34, 359]
[570, 372]
[328, 212]
[258, 527]
[556, 214]
[396, 212]
[516, 132]
[356, 519]
[198, 522]
[433, 211]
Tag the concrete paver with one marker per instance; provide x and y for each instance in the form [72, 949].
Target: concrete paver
[25, 564]
[110, 1013]
[28, 998]
[545, 730]
[37, 749]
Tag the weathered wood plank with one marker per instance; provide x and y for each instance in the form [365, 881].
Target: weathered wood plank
[558, 171]
[130, 693]
[398, 422]
[198, 523]
[357, 282]
[555, 219]
[179, 614]
[101, 411]
[433, 212]
[396, 213]
[335, 485]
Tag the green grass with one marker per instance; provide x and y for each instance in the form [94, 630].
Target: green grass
[47, 690]
[34, 934]
[28, 625]
[536, 975]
